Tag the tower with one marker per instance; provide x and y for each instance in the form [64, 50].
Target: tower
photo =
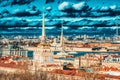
[43, 53]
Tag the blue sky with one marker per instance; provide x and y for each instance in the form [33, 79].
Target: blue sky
[97, 16]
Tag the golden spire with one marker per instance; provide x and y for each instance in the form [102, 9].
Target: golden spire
[43, 28]
[62, 38]
[43, 43]
[117, 26]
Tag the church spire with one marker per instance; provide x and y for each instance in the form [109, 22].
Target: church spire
[43, 28]
[117, 26]
[62, 38]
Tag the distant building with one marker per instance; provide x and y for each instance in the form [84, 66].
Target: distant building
[10, 50]
[114, 58]
[87, 61]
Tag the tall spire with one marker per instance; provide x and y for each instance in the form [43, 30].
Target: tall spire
[117, 26]
[43, 27]
[62, 38]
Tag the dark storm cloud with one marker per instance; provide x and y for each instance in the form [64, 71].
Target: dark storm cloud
[49, 1]
[12, 23]
[5, 13]
[54, 17]
[4, 3]
[48, 23]
[109, 10]
[73, 24]
[99, 23]
[18, 22]
[20, 2]
[34, 24]
[90, 23]
[102, 23]
[30, 11]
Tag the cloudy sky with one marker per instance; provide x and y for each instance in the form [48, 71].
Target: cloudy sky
[78, 16]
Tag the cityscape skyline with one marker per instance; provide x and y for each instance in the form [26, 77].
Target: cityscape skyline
[59, 40]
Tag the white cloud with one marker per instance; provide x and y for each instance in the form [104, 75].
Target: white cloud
[113, 7]
[64, 5]
[104, 8]
[79, 6]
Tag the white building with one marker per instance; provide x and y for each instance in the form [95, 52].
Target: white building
[8, 50]
[42, 53]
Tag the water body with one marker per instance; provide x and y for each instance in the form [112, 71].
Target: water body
[30, 54]
[83, 53]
